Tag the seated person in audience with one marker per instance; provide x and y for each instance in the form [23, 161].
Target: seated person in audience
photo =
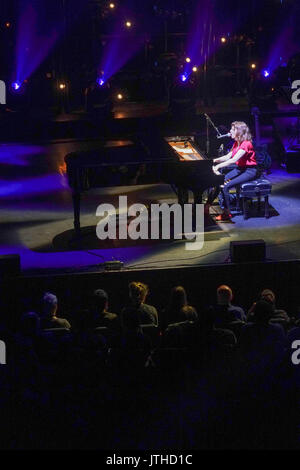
[260, 340]
[278, 315]
[189, 313]
[178, 300]
[137, 294]
[133, 337]
[49, 318]
[225, 311]
[128, 359]
[183, 334]
[214, 341]
[102, 317]
[260, 353]
[84, 336]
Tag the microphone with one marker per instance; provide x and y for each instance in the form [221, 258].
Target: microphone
[223, 135]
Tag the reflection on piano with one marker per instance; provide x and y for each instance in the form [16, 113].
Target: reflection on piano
[174, 160]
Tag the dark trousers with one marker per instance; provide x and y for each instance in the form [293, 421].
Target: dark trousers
[236, 177]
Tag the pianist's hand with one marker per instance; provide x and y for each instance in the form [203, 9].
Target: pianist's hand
[215, 170]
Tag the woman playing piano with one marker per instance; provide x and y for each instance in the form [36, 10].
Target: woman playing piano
[243, 155]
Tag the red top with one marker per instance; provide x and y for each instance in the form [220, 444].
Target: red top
[248, 159]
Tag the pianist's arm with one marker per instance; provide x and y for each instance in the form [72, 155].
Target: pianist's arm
[224, 158]
[231, 160]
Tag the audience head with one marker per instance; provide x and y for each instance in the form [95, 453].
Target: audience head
[189, 313]
[30, 324]
[100, 300]
[268, 295]
[262, 312]
[49, 303]
[138, 292]
[178, 298]
[224, 295]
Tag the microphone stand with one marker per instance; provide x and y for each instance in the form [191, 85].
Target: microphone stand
[209, 121]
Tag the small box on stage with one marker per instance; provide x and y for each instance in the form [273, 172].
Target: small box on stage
[113, 265]
[293, 159]
[247, 250]
[10, 266]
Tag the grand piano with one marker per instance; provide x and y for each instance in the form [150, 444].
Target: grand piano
[177, 161]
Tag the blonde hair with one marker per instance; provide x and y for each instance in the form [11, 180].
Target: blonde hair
[243, 131]
[138, 291]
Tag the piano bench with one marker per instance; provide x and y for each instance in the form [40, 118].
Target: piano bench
[258, 188]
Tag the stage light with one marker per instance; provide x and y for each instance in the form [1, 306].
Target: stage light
[16, 86]
[119, 96]
[183, 77]
[253, 66]
[62, 86]
[188, 60]
[100, 81]
[194, 69]
[7, 24]
[266, 73]
[223, 40]
[112, 6]
[128, 24]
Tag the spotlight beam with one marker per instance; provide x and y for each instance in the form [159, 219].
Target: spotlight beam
[120, 48]
[31, 47]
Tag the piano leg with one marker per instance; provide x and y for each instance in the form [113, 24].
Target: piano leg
[76, 208]
[212, 194]
[183, 195]
[198, 194]
[205, 196]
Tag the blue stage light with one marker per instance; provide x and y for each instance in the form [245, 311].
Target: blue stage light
[16, 86]
[266, 73]
[100, 81]
[183, 77]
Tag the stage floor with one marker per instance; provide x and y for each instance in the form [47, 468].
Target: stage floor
[36, 209]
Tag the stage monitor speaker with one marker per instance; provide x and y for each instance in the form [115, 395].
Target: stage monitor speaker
[10, 265]
[293, 159]
[247, 250]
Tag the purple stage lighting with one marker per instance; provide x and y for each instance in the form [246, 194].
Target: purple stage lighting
[18, 154]
[100, 81]
[32, 187]
[120, 48]
[183, 77]
[16, 86]
[36, 36]
[284, 46]
[266, 73]
[204, 34]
